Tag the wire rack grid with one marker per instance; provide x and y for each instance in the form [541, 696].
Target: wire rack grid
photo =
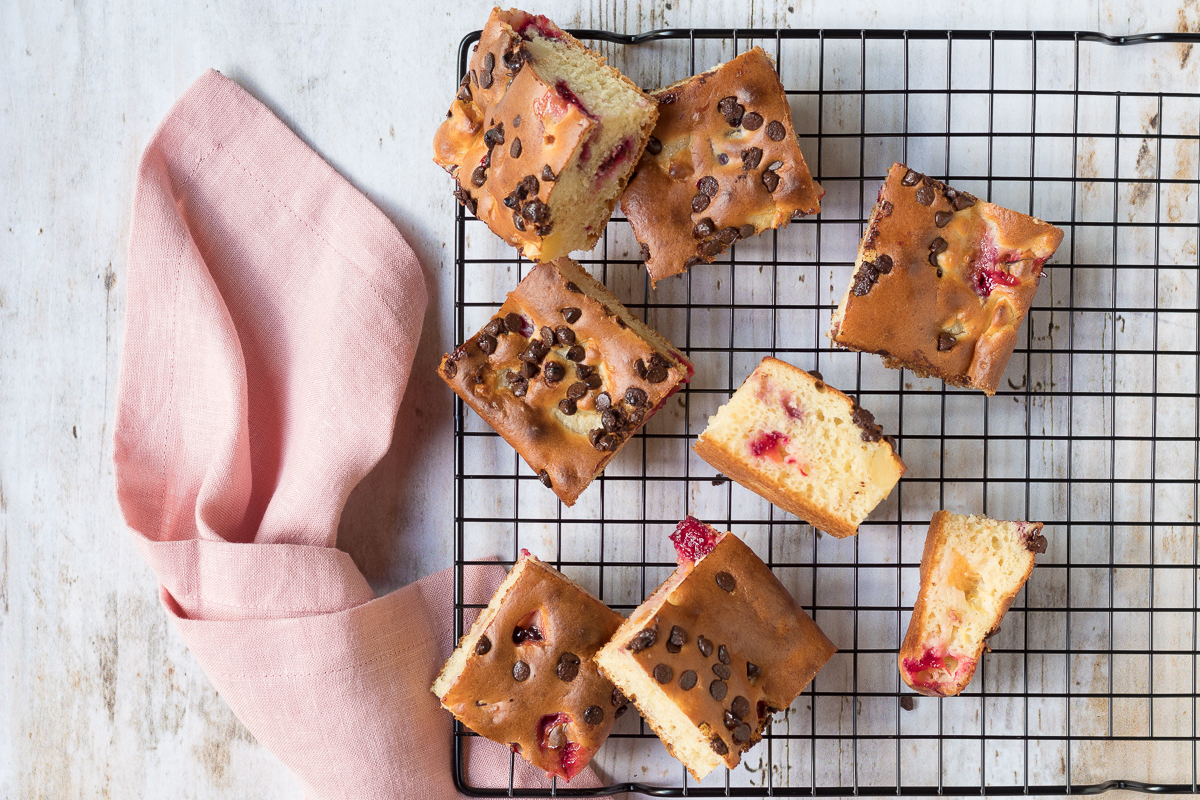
[1092, 682]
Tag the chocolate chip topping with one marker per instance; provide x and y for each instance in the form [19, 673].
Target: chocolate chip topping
[535, 352]
[606, 442]
[942, 218]
[515, 149]
[571, 314]
[710, 248]
[656, 374]
[486, 343]
[618, 698]
[593, 381]
[489, 61]
[722, 159]
[611, 420]
[718, 689]
[653, 146]
[576, 353]
[708, 185]
[514, 322]
[479, 176]
[746, 231]
[752, 121]
[770, 179]
[906, 702]
[529, 370]
[718, 745]
[544, 477]
[485, 79]
[730, 721]
[577, 391]
[776, 131]
[700, 202]
[663, 673]
[731, 110]
[483, 646]
[594, 715]
[567, 406]
[740, 707]
[644, 638]
[571, 287]
[885, 208]
[704, 228]
[464, 93]
[678, 637]
[865, 278]
[726, 582]
[741, 734]
[727, 236]
[518, 221]
[925, 195]
[568, 667]
[450, 368]
[726, 105]
[946, 341]
[753, 671]
[1036, 544]
[644, 251]
[721, 671]
[520, 671]
[911, 177]
[883, 264]
[687, 681]
[865, 420]
[548, 336]
[464, 197]
[938, 245]
[706, 647]
[517, 121]
[723, 655]
[751, 158]
[555, 372]
[635, 397]
[603, 401]
[494, 136]
[963, 201]
[583, 371]
[548, 174]
[495, 327]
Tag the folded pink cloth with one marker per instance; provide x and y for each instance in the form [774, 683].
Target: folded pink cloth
[273, 315]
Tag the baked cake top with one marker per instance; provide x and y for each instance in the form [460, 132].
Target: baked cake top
[524, 674]
[943, 281]
[723, 165]
[565, 374]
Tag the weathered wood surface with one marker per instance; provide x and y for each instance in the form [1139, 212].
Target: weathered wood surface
[98, 696]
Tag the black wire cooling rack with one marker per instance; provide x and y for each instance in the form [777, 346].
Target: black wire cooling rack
[1092, 682]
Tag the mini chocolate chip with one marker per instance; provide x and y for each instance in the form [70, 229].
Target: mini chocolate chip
[708, 185]
[548, 336]
[753, 671]
[555, 372]
[727, 236]
[752, 121]
[774, 165]
[925, 195]
[1037, 544]
[718, 689]
[885, 208]
[571, 314]
[483, 646]
[883, 264]
[593, 381]
[911, 177]
[603, 401]
[700, 202]
[486, 343]
[687, 680]
[519, 385]
[740, 707]
[529, 370]
[489, 61]
[612, 420]
[608, 443]
[568, 667]
[496, 327]
[515, 149]
[583, 371]
[776, 131]
[494, 136]
[691, 262]
[722, 159]
[518, 222]
[544, 477]
[718, 745]
[723, 655]
[567, 406]
[663, 673]
[938, 245]
[942, 218]
[548, 174]
[678, 636]
[618, 698]
[730, 721]
[721, 671]
[656, 374]
[485, 79]
[515, 322]
[479, 176]
[635, 396]
[746, 231]
[726, 105]
[577, 391]
[639, 367]
[741, 734]
[704, 228]
[906, 702]
[751, 158]
[520, 671]
[464, 93]
[657, 360]
[450, 368]
[939, 270]
[726, 582]
[770, 180]
[576, 353]
[963, 201]
[706, 647]
[594, 715]
[617, 714]
[535, 211]
[644, 638]
[517, 121]
[653, 146]
[565, 335]
[945, 341]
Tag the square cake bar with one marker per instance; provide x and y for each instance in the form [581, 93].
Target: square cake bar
[565, 374]
[942, 281]
[714, 651]
[524, 675]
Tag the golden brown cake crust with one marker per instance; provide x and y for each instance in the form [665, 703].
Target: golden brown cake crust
[535, 423]
[732, 599]
[685, 206]
[487, 697]
[960, 326]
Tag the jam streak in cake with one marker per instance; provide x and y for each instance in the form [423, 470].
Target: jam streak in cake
[618, 156]
[541, 24]
[693, 540]
[985, 276]
[924, 671]
[552, 735]
[771, 445]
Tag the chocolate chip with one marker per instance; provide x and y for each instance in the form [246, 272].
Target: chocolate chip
[635, 396]
[520, 671]
[535, 211]
[741, 734]
[583, 371]
[740, 707]
[942, 218]
[514, 322]
[906, 702]
[691, 262]
[1036, 544]
[752, 121]
[529, 370]
[751, 158]
[939, 271]
[885, 208]
[611, 419]
[730, 721]
[700, 202]
[571, 287]
[704, 228]
[708, 185]
[620, 711]
[489, 62]
[865, 279]
[594, 715]
[678, 636]
[723, 655]
[653, 146]
[644, 638]
[555, 372]
[548, 174]
[727, 236]
[718, 689]
[464, 197]
[963, 201]
[449, 368]
[657, 360]
[770, 179]
[486, 343]
[544, 477]
[718, 745]
[656, 374]
[564, 335]
[576, 353]
[479, 176]
[753, 671]
[911, 177]
[485, 79]
[517, 121]
[938, 245]
[883, 264]
[746, 231]
[483, 646]
[568, 667]
[515, 149]
[607, 442]
[518, 222]
[571, 314]
[722, 159]
[548, 336]
[726, 105]
[494, 136]
[644, 251]
[663, 673]
[495, 327]
[464, 93]
[816, 374]
[639, 367]
[721, 671]
[472, 77]
[567, 406]
[593, 381]
[535, 352]
[618, 698]
[726, 582]
[865, 420]
[706, 647]
[945, 341]
[577, 391]
[925, 195]
[687, 680]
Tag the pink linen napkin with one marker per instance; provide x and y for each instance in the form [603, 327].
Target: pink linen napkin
[273, 315]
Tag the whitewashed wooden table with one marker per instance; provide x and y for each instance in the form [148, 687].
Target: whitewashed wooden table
[98, 696]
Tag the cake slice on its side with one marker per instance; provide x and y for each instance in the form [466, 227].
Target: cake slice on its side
[542, 136]
[525, 676]
[809, 449]
[971, 570]
[716, 649]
